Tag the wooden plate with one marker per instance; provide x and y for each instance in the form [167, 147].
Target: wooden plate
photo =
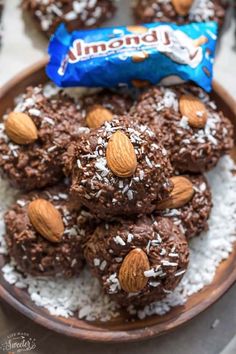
[119, 329]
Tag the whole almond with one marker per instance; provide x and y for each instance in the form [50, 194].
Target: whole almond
[198, 42]
[120, 155]
[131, 274]
[46, 219]
[137, 29]
[97, 116]
[20, 128]
[139, 57]
[192, 108]
[182, 7]
[181, 194]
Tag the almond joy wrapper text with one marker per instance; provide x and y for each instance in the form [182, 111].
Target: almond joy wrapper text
[133, 56]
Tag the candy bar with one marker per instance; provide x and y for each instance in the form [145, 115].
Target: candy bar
[133, 56]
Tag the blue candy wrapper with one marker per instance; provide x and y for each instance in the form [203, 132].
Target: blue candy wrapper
[156, 53]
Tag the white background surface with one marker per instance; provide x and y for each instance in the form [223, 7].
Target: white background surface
[22, 46]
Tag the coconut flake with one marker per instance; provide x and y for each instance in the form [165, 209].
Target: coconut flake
[119, 241]
[84, 296]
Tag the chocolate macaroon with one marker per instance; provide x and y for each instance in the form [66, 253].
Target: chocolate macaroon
[180, 11]
[44, 233]
[99, 106]
[194, 132]
[189, 204]
[35, 135]
[119, 169]
[138, 262]
[102, 106]
[75, 14]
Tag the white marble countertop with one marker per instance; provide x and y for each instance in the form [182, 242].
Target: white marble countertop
[210, 332]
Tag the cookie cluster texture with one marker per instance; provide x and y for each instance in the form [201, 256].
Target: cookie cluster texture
[180, 11]
[195, 133]
[94, 168]
[191, 217]
[85, 14]
[34, 137]
[75, 14]
[41, 254]
[118, 250]
[127, 191]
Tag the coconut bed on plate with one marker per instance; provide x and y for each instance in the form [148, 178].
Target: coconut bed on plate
[83, 297]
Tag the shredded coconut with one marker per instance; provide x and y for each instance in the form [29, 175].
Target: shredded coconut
[119, 241]
[83, 296]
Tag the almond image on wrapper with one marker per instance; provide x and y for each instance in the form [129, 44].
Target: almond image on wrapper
[139, 57]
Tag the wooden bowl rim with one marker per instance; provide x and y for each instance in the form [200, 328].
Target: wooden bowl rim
[93, 334]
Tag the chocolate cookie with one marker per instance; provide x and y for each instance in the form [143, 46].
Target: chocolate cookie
[32, 143]
[76, 14]
[138, 262]
[195, 133]
[118, 169]
[98, 107]
[34, 253]
[118, 102]
[180, 12]
[191, 217]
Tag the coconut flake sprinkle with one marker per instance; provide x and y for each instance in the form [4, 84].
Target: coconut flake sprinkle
[83, 297]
